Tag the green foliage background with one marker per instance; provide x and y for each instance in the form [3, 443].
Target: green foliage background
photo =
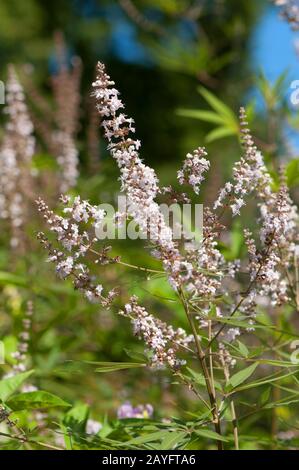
[159, 91]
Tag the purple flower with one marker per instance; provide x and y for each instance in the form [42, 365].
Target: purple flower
[126, 410]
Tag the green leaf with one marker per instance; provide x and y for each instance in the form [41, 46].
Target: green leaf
[152, 437]
[290, 400]
[264, 398]
[241, 376]
[235, 321]
[276, 363]
[11, 445]
[271, 92]
[217, 104]
[172, 440]
[76, 418]
[202, 115]
[267, 380]
[68, 439]
[243, 349]
[44, 161]
[237, 243]
[210, 435]
[11, 384]
[194, 444]
[200, 380]
[219, 133]
[251, 110]
[34, 400]
[137, 356]
[212, 312]
[292, 173]
[113, 366]
[223, 116]
[9, 278]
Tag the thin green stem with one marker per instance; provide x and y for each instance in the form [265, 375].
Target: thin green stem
[232, 404]
[205, 370]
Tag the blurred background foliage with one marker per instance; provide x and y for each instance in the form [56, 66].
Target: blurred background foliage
[158, 54]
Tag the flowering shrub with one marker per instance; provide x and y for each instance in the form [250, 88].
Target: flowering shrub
[224, 300]
[174, 334]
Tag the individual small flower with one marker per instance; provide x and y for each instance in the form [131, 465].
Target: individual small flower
[29, 388]
[232, 334]
[236, 206]
[93, 427]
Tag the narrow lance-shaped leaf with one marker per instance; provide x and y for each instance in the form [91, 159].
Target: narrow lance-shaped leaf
[11, 384]
[210, 435]
[217, 105]
[241, 376]
[172, 440]
[13, 279]
[35, 400]
[202, 115]
[114, 366]
[151, 437]
[219, 133]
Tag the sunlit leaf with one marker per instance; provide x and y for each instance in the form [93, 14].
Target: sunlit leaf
[241, 376]
[35, 400]
[210, 435]
[11, 384]
[9, 278]
[114, 366]
[219, 133]
[202, 115]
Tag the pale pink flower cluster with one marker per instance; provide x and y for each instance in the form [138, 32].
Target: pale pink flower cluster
[58, 124]
[16, 152]
[207, 261]
[194, 166]
[163, 340]
[279, 226]
[66, 91]
[76, 242]
[278, 236]
[289, 11]
[138, 181]
[249, 174]
[67, 158]
[140, 184]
